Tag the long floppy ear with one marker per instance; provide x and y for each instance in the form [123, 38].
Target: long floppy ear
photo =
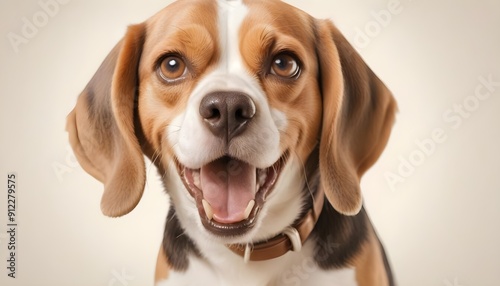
[358, 114]
[101, 126]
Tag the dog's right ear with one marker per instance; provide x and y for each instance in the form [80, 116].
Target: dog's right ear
[101, 126]
[358, 115]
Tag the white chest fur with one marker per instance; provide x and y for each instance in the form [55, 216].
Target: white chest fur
[292, 269]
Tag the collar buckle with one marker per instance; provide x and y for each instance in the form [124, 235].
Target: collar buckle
[248, 251]
[294, 236]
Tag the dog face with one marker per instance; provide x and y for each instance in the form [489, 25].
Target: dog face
[229, 99]
[233, 108]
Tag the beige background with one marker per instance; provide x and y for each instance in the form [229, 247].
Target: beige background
[440, 225]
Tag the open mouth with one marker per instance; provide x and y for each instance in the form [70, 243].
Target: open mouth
[230, 193]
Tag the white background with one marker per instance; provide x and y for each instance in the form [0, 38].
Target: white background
[440, 225]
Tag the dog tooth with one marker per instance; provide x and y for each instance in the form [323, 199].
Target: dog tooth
[196, 179]
[262, 177]
[249, 208]
[208, 209]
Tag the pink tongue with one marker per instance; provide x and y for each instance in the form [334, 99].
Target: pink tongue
[228, 185]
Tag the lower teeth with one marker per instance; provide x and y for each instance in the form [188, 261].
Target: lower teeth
[262, 175]
[249, 208]
[210, 213]
[196, 179]
[208, 209]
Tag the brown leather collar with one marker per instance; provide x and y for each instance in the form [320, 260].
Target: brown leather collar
[292, 238]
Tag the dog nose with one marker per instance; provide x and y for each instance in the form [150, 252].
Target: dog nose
[227, 114]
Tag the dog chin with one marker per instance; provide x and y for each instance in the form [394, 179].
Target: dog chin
[230, 194]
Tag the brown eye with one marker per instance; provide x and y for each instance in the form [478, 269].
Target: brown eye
[285, 66]
[172, 68]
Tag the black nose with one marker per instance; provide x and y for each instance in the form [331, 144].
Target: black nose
[227, 114]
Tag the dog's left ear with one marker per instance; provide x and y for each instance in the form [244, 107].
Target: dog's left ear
[102, 126]
[358, 114]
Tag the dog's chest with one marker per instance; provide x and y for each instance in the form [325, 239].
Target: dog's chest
[291, 269]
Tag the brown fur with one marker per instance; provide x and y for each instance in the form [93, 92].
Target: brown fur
[370, 271]
[162, 266]
[358, 114]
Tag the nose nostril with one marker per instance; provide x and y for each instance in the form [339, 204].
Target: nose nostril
[245, 112]
[240, 114]
[210, 109]
[214, 114]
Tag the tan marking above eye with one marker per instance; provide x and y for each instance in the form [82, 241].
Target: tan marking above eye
[172, 68]
[285, 65]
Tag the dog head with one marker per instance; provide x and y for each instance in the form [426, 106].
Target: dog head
[229, 99]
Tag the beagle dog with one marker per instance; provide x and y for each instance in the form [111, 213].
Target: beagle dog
[261, 121]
